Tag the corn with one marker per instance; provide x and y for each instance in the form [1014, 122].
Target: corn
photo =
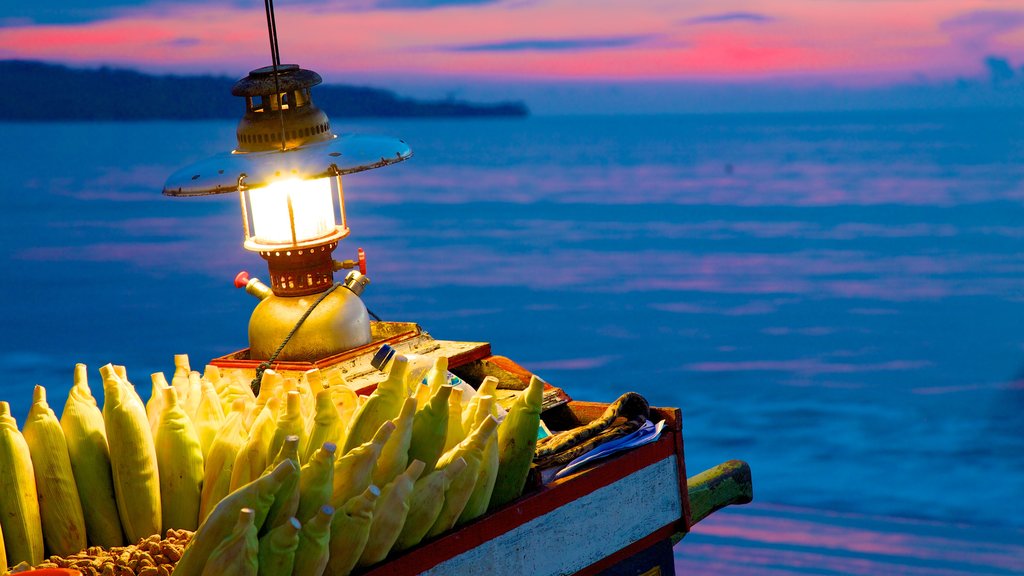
[429, 429]
[307, 400]
[395, 454]
[352, 472]
[517, 442]
[86, 439]
[132, 458]
[238, 554]
[314, 380]
[461, 488]
[195, 394]
[438, 374]
[252, 460]
[382, 405]
[314, 544]
[60, 509]
[350, 529]
[286, 503]
[258, 495]
[316, 481]
[456, 433]
[347, 402]
[179, 459]
[212, 375]
[389, 517]
[180, 377]
[426, 503]
[218, 464]
[326, 424]
[481, 495]
[156, 399]
[209, 417]
[289, 423]
[3, 554]
[19, 504]
[277, 549]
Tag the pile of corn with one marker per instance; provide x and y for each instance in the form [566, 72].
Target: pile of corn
[306, 478]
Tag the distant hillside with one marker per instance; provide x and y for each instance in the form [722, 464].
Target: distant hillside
[39, 92]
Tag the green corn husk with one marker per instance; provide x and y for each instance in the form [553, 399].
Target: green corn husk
[258, 495]
[180, 464]
[389, 516]
[426, 503]
[238, 554]
[517, 442]
[219, 463]
[286, 503]
[19, 501]
[3, 554]
[430, 428]
[350, 530]
[438, 374]
[476, 506]
[354, 470]
[326, 424]
[253, 459]
[277, 549]
[394, 456]
[314, 544]
[209, 417]
[383, 404]
[456, 433]
[132, 458]
[156, 399]
[316, 482]
[86, 437]
[60, 509]
[289, 423]
[461, 488]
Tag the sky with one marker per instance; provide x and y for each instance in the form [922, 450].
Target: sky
[642, 53]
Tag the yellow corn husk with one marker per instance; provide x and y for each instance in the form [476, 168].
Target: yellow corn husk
[316, 481]
[156, 399]
[395, 454]
[289, 423]
[180, 377]
[517, 442]
[258, 495]
[218, 465]
[389, 517]
[235, 388]
[252, 460]
[86, 437]
[430, 428]
[325, 425]
[209, 417]
[461, 488]
[133, 395]
[271, 386]
[286, 503]
[19, 502]
[437, 376]
[422, 395]
[3, 554]
[238, 554]
[277, 549]
[480, 498]
[456, 432]
[307, 400]
[426, 503]
[353, 471]
[314, 544]
[212, 375]
[179, 457]
[346, 401]
[382, 405]
[60, 509]
[314, 380]
[195, 394]
[132, 459]
[350, 529]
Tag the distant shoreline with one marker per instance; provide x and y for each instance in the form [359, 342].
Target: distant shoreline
[40, 92]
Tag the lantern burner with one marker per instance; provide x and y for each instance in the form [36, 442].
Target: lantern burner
[301, 272]
[279, 109]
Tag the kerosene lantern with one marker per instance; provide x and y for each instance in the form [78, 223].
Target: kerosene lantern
[287, 171]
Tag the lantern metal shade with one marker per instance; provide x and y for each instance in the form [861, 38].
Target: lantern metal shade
[227, 172]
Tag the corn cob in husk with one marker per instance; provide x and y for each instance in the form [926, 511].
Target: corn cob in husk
[19, 503]
[60, 509]
[180, 377]
[476, 506]
[314, 544]
[426, 503]
[132, 458]
[286, 503]
[253, 459]
[289, 423]
[209, 417]
[517, 442]
[86, 437]
[394, 456]
[156, 399]
[258, 495]
[430, 428]
[195, 394]
[437, 376]
[316, 482]
[238, 554]
[350, 529]
[325, 426]
[3, 554]
[390, 514]
[382, 405]
[461, 488]
[218, 465]
[354, 470]
[277, 549]
[179, 459]
[456, 433]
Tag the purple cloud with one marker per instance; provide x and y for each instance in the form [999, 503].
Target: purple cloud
[753, 17]
[552, 45]
[977, 29]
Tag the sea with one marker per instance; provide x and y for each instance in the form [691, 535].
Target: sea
[835, 298]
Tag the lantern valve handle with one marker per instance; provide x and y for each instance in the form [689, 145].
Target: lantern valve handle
[359, 262]
[241, 279]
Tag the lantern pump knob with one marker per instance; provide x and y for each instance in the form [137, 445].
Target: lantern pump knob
[242, 279]
[362, 261]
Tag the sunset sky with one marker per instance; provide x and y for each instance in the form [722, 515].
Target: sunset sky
[546, 46]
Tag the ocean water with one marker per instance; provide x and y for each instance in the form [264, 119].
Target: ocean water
[837, 299]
